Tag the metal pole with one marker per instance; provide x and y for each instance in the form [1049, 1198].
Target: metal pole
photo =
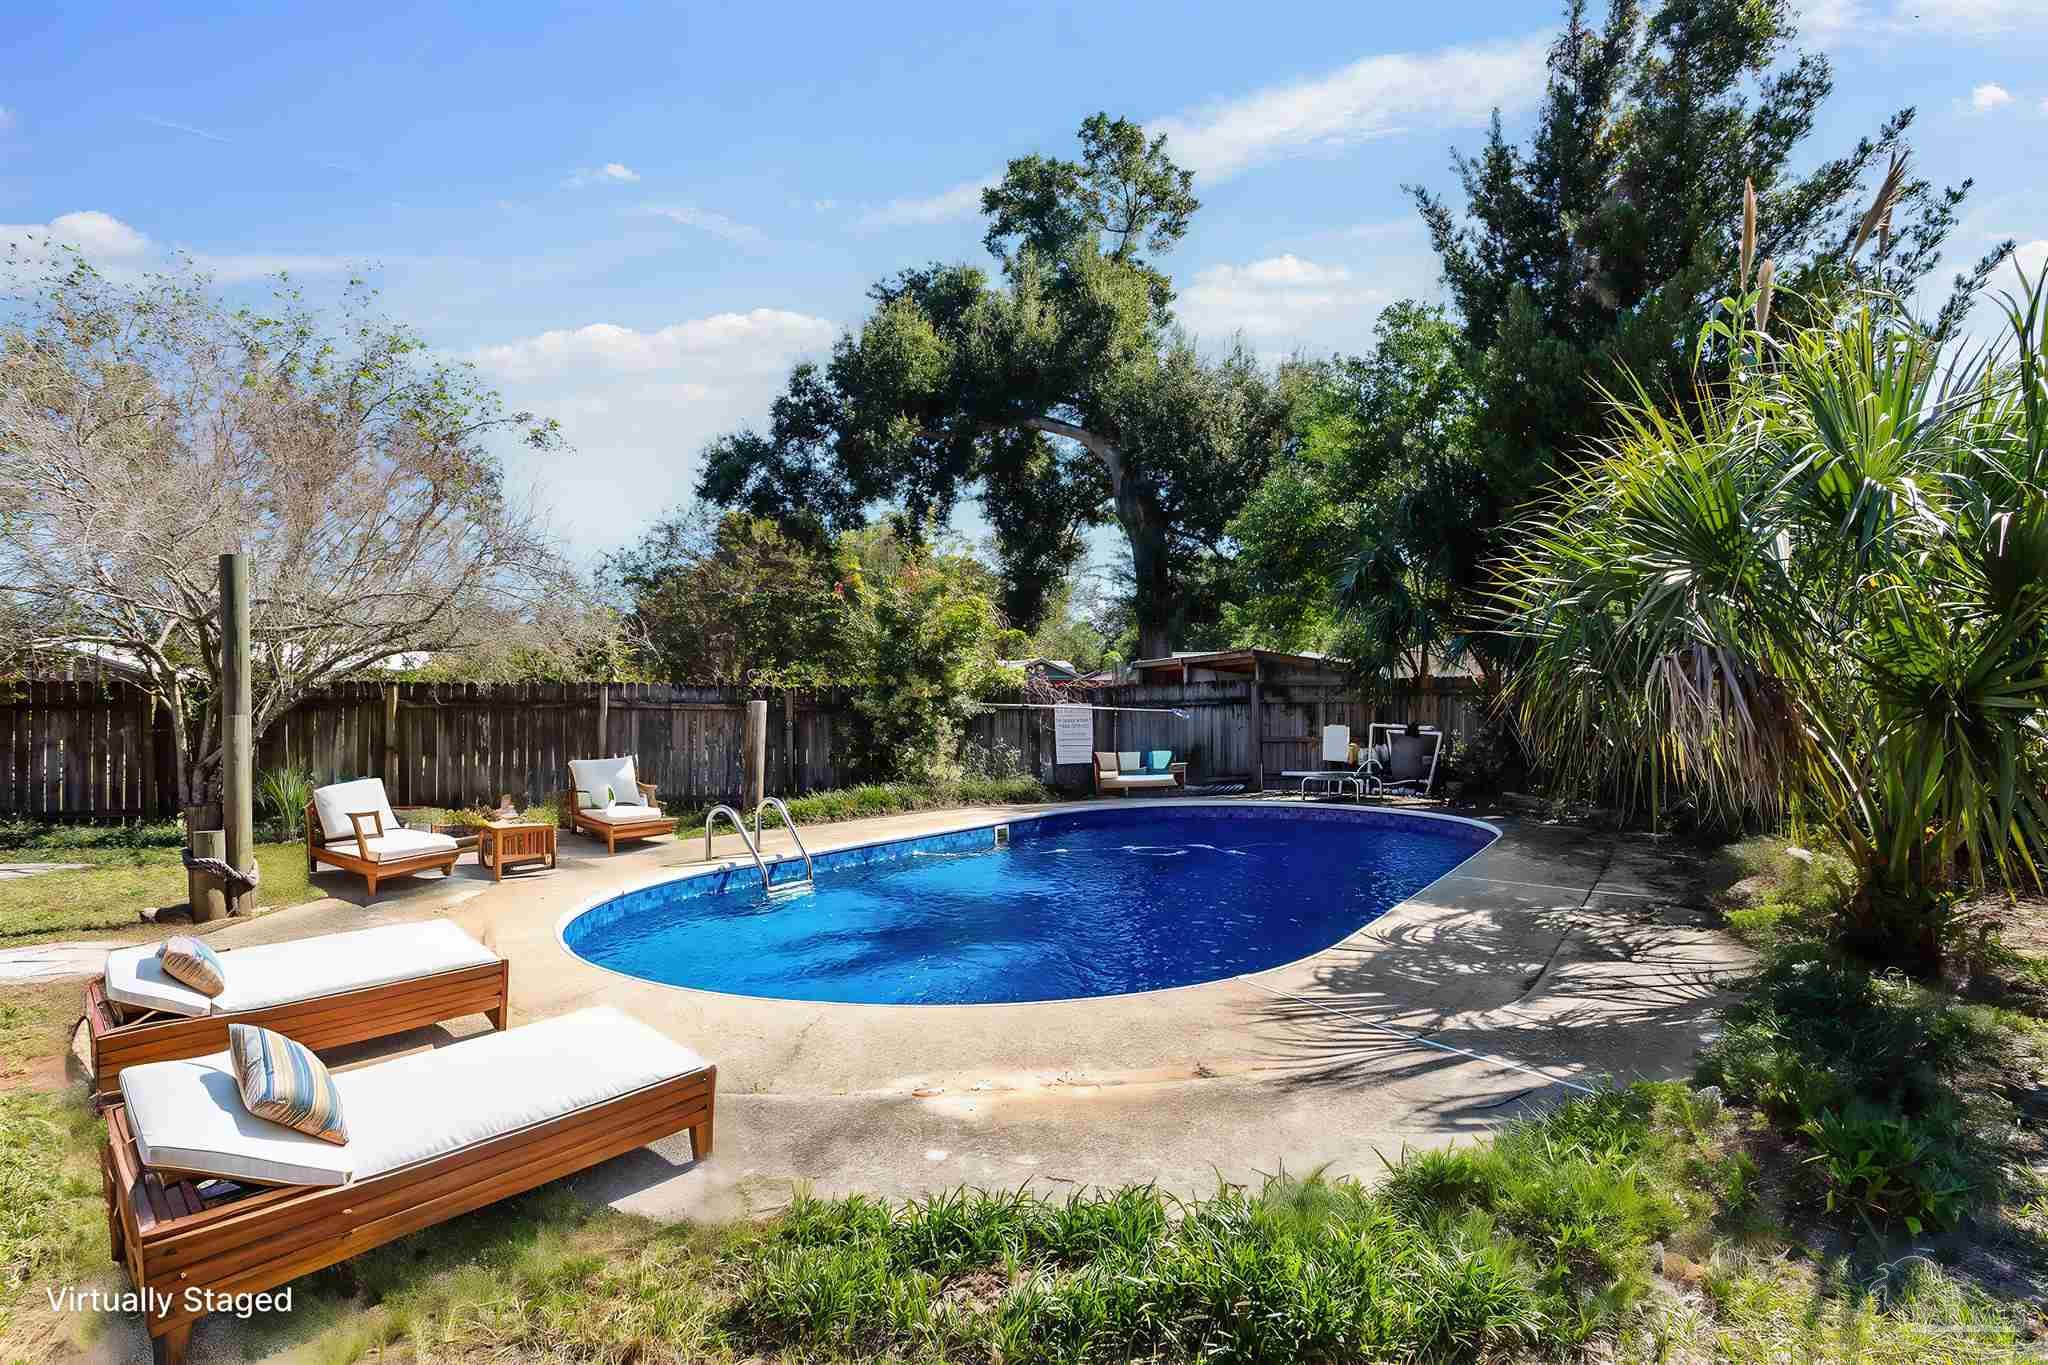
[238, 785]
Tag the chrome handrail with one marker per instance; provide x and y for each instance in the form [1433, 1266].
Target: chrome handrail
[739, 827]
[810, 874]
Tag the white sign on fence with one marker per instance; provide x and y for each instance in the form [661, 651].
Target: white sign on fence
[1073, 733]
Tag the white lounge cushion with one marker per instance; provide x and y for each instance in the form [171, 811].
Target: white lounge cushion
[188, 1115]
[135, 977]
[593, 775]
[1144, 780]
[397, 846]
[267, 974]
[333, 805]
[623, 815]
[411, 1109]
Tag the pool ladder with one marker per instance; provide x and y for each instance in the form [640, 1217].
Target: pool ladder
[753, 842]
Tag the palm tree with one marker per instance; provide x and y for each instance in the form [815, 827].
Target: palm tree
[1822, 595]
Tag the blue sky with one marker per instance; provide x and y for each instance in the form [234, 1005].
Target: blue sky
[635, 218]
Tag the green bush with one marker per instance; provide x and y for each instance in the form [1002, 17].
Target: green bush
[1886, 1166]
[1867, 1070]
[282, 794]
[21, 835]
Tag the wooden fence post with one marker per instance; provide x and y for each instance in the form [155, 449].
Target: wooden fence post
[604, 722]
[391, 741]
[756, 751]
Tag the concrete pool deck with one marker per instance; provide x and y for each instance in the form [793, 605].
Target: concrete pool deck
[1557, 956]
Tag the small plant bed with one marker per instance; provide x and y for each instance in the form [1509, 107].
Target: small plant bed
[1906, 1115]
[883, 798]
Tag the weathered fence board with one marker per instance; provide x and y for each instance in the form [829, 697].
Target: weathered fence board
[92, 750]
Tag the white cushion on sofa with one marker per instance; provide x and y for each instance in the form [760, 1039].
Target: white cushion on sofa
[593, 775]
[188, 1115]
[396, 846]
[135, 977]
[418, 1107]
[333, 805]
[623, 814]
[266, 974]
[1145, 780]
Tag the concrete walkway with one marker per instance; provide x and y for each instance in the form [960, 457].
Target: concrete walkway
[1555, 958]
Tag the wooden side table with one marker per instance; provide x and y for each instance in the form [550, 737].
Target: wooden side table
[503, 842]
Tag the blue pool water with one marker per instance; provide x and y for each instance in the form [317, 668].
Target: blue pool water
[1096, 902]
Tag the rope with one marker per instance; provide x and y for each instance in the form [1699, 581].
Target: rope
[238, 881]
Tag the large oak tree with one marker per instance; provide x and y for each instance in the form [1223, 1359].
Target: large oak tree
[1056, 390]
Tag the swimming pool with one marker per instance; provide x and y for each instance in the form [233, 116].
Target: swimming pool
[1107, 900]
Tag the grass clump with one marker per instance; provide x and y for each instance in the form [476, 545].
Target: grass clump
[884, 798]
[1538, 1240]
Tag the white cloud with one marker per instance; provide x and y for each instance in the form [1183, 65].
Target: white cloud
[639, 406]
[123, 252]
[1989, 96]
[187, 128]
[1280, 299]
[1966, 18]
[99, 237]
[717, 224]
[961, 201]
[611, 173]
[2044, 104]
[234, 268]
[1372, 97]
[1822, 22]
[2029, 258]
[98, 234]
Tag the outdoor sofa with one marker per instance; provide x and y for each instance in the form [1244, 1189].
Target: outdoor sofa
[1131, 770]
[351, 825]
[323, 992]
[205, 1200]
[606, 800]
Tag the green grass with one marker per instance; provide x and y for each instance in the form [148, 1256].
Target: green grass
[1536, 1242]
[111, 893]
[883, 798]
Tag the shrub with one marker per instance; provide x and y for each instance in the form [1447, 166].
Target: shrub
[282, 794]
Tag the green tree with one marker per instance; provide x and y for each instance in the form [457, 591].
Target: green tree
[923, 642]
[1061, 395]
[1594, 250]
[1367, 532]
[1820, 590]
[733, 601]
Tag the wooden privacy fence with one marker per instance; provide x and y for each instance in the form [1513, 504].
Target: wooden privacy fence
[97, 751]
[1224, 736]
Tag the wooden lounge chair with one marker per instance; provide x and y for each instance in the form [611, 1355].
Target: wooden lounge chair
[325, 992]
[204, 1199]
[611, 820]
[351, 825]
[1125, 772]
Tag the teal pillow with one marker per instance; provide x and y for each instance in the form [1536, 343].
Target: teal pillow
[1159, 761]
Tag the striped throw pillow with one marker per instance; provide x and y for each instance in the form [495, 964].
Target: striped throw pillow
[285, 1083]
[186, 958]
